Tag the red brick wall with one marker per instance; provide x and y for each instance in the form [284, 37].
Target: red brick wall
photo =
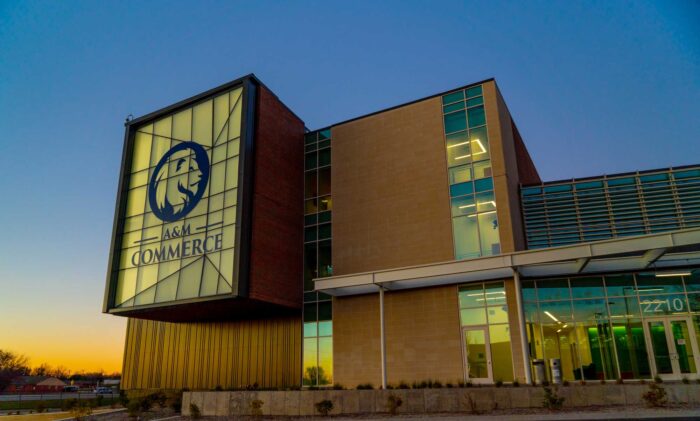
[527, 172]
[278, 191]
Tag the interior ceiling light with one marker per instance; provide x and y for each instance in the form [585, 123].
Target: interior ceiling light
[458, 144]
[551, 316]
[482, 213]
[485, 293]
[483, 149]
[668, 275]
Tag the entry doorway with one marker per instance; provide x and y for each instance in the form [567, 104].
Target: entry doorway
[674, 353]
[477, 354]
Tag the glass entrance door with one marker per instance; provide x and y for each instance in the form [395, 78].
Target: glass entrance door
[477, 353]
[673, 347]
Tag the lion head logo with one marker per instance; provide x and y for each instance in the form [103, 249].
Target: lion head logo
[178, 181]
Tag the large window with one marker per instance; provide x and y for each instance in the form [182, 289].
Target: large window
[318, 325]
[595, 324]
[474, 218]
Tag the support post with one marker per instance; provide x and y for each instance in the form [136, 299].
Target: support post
[382, 334]
[523, 331]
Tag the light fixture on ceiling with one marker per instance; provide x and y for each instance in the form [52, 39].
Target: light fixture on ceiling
[551, 316]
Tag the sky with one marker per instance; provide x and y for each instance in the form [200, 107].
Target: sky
[595, 87]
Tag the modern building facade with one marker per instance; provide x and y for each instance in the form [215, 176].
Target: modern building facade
[414, 243]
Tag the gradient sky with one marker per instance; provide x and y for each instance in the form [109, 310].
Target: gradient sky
[595, 87]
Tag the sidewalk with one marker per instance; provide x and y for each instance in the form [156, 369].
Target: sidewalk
[602, 413]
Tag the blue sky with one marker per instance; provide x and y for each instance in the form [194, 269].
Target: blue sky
[594, 87]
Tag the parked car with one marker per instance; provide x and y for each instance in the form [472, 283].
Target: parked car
[71, 388]
[103, 390]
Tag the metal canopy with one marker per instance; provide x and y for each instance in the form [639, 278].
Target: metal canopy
[667, 250]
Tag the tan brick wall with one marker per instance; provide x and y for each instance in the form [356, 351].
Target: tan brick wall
[504, 173]
[390, 194]
[505, 161]
[356, 347]
[423, 335]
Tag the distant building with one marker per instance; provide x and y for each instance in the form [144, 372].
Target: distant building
[36, 384]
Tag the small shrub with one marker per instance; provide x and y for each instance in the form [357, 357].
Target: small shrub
[620, 380]
[602, 381]
[393, 403]
[390, 387]
[145, 403]
[565, 383]
[655, 396]
[642, 381]
[499, 383]
[99, 400]
[516, 383]
[81, 411]
[195, 413]
[123, 399]
[256, 407]
[69, 404]
[175, 401]
[133, 408]
[658, 379]
[449, 385]
[324, 407]
[582, 382]
[365, 386]
[685, 380]
[461, 383]
[338, 386]
[403, 385]
[218, 388]
[40, 407]
[436, 384]
[697, 381]
[468, 384]
[551, 399]
[545, 383]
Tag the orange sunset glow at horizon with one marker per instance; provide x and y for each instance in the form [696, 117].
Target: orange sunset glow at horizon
[78, 344]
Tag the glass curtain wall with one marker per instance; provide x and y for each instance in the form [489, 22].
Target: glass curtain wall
[318, 204]
[594, 324]
[473, 204]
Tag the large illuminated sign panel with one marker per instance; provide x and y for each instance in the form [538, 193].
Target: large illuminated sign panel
[175, 239]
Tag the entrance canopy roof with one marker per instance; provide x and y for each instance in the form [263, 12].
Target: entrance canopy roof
[663, 251]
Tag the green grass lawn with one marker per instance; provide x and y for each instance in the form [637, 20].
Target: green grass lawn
[51, 403]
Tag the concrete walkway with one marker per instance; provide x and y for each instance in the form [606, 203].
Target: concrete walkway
[616, 413]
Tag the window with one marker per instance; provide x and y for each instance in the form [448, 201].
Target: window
[317, 311]
[475, 220]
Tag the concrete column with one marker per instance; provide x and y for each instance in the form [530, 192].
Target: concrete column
[383, 336]
[523, 331]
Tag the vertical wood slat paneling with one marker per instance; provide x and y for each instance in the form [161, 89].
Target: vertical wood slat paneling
[235, 354]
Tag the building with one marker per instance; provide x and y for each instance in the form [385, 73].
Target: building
[409, 244]
[35, 384]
